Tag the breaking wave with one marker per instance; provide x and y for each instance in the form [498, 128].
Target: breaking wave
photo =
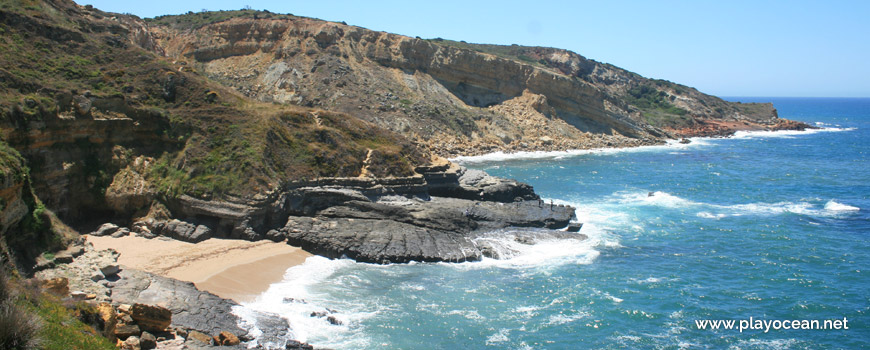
[809, 207]
[785, 133]
[670, 146]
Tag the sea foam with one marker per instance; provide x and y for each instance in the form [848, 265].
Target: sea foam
[671, 145]
[785, 133]
[833, 205]
[298, 284]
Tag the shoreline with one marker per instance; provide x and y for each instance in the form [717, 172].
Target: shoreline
[502, 155]
[233, 269]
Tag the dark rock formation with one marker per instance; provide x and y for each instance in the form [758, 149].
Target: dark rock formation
[396, 230]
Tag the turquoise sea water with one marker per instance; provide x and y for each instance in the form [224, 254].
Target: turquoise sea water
[763, 225]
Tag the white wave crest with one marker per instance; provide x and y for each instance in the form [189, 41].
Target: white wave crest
[500, 156]
[558, 319]
[650, 280]
[806, 206]
[516, 249]
[500, 337]
[657, 198]
[833, 205]
[785, 133]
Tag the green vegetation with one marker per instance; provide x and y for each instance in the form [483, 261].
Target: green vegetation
[32, 320]
[18, 327]
[527, 54]
[209, 141]
[647, 97]
[63, 328]
[656, 105]
[11, 163]
[194, 20]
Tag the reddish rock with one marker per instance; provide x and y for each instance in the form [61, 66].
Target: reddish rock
[151, 318]
[227, 338]
[58, 286]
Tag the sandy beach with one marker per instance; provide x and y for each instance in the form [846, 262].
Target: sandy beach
[234, 269]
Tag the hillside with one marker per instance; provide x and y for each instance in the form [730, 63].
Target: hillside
[454, 97]
[107, 124]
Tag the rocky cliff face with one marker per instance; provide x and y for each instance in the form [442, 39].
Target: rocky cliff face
[108, 125]
[459, 98]
[13, 183]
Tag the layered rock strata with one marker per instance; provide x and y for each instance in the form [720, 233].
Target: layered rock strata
[433, 216]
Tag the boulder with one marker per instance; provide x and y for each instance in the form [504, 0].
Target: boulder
[574, 227]
[199, 336]
[105, 229]
[201, 233]
[333, 320]
[123, 331]
[297, 345]
[132, 343]
[96, 275]
[125, 308]
[78, 295]
[82, 105]
[63, 258]
[147, 341]
[110, 270]
[124, 318]
[108, 320]
[226, 339]
[121, 232]
[185, 231]
[151, 318]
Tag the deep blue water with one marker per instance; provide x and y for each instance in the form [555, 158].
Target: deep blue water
[764, 225]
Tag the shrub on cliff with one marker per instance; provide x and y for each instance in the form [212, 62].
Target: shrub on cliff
[18, 328]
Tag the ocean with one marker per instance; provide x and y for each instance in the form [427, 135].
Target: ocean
[762, 225]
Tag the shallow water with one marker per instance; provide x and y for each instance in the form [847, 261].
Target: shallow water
[762, 225]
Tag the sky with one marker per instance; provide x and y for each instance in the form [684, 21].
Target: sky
[725, 48]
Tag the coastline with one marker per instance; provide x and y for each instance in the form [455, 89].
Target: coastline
[233, 269]
[666, 144]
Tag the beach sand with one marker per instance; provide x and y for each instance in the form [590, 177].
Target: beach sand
[234, 269]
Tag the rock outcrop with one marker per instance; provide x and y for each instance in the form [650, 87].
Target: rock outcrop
[138, 304]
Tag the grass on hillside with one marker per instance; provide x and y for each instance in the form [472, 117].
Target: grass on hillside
[512, 52]
[214, 141]
[32, 320]
[195, 20]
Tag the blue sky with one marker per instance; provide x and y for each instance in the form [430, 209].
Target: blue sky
[725, 48]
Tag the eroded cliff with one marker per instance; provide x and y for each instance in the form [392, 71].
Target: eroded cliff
[458, 98]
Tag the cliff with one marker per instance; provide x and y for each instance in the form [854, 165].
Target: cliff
[114, 131]
[107, 125]
[457, 98]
